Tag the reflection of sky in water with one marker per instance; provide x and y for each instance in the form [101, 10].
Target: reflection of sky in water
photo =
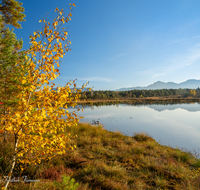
[171, 125]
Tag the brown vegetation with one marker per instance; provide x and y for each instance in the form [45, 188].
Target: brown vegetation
[162, 98]
[110, 160]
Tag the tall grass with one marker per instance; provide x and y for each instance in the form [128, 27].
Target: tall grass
[110, 160]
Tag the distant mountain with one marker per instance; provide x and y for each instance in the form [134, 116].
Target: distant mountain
[191, 84]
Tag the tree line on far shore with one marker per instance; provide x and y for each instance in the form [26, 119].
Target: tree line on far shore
[108, 94]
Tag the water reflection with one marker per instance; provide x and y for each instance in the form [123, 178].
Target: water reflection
[176, 125]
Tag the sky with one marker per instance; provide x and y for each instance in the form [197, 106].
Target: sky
[123, 43]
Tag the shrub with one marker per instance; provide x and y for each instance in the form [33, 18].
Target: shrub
[142, 137]
[67, 183]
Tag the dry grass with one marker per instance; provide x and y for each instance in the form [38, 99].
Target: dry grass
[161, 98]
[110, 160]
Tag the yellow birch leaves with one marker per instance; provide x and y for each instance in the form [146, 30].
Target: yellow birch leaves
[39, 123]
[193, 92]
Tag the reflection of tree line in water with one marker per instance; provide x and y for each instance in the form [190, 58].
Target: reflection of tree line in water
[136, 103]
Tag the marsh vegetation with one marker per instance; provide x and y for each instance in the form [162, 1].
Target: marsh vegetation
[110, 160]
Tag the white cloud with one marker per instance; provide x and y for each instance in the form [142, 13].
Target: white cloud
[176, 63]
[95, 79]
[182, 40]
[119, 55]
[183, 60]
[89, 79]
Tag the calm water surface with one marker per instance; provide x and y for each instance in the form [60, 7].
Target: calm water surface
[175, 125]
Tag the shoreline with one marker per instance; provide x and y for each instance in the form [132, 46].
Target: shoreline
[149, 99]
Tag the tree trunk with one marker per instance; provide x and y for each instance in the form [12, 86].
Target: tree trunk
[13, 162]
[5, 140]
[14, 154]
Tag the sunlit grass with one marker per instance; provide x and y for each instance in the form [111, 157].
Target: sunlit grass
[111, 160]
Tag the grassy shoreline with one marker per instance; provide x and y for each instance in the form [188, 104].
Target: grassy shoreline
[110, 160]
[149, 99]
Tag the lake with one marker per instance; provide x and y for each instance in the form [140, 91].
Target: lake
[174, 125]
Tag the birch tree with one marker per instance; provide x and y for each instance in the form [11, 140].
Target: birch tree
[40, 134]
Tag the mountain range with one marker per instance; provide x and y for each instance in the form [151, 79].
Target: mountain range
[191, 84]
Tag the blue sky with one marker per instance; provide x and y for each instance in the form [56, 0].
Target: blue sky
[123, 43]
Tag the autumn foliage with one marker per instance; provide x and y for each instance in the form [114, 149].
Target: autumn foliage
[193, 92]
[38, 125]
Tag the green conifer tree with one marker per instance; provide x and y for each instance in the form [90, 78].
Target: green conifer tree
[12, 59]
